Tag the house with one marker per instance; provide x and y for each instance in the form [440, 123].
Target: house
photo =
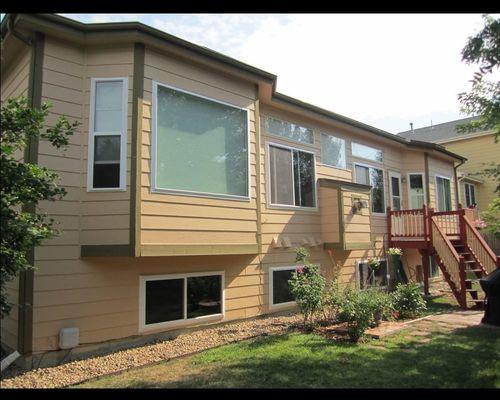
[480, 150]
[190, 182]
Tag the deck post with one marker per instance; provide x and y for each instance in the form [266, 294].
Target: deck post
[389, 225]
[461, 224]
[426, 267]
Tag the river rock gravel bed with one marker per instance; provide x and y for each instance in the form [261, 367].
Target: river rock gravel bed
[78, 371]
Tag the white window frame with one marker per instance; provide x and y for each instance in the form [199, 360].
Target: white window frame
[436, 191]
[287, 304]
[387, 275]
[268, 179]
[123, 136]
[143, 327]
[384, 178]
[394, 174]
[154, 128]
[344, 168]
[286, 137]
[364, 158]
[423, 186]
[465, 193]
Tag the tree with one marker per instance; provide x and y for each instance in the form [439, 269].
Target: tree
[23, 185]
[484, 98]
[492, 217]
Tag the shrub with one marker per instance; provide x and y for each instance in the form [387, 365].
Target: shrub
[408, 300]
[332, 301]
[307, 286]
[382, 305]
[357, 311]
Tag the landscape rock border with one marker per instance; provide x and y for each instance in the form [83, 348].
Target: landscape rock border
[75, 372]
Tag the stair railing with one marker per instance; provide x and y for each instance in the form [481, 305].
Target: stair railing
[480, 250]
[453, 264]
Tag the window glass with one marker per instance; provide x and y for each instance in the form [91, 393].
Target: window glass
[363, 151]
[281, 175]
[164, 300]
[371, 278]
[201, 145]
[417, 197]
[281, 287]
[396, 194]
[375, 178]
[108, 106]
[289, 130]
[443, 190]
[291, 177]
[333, 151]
[204, 295]
[106, 161]
[433, 268]
[470, 195]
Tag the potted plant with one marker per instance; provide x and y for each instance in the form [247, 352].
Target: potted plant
[373, 265]
[395, 253]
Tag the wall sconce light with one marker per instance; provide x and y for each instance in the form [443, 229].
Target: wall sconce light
[357, 205]
[403, 180]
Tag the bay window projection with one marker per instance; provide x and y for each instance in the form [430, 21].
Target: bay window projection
[416, 190]
[288, 130]
[470, 195]
[176, 298]
[363, 151]
[107, 134]
[200, 145]
[333, 151]
[291, 177]
[375, 178]
[443, 193]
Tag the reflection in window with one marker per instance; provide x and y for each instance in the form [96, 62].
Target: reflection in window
[373, 177]
[288, 130]
[291, 177]
[443, 191]
[470, 195]
[204, 296]
[363, 151]
[372, 278]
[417, 196]
[201, 145]
[333, 151]
[395, 193]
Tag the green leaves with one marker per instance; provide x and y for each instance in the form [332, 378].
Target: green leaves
[25, 184]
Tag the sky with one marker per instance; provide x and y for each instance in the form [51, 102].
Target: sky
[385, 70]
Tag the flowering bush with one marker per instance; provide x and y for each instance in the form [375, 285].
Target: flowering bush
[480, 224]
[394, 251]
[307, 286]
[357, 310]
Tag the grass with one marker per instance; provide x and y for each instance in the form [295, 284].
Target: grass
[465, 358]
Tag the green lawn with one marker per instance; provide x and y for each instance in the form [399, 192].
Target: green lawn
[464, 358]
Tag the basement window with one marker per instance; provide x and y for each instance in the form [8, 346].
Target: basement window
[372, 278]
[279, 288]
[107, 134]
[179, 299]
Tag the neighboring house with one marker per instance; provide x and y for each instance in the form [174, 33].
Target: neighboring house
[191, 181]
[480, 150]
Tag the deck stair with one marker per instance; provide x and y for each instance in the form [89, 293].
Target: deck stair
[455, 244]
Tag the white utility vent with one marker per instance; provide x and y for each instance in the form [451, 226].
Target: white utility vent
[69, 337]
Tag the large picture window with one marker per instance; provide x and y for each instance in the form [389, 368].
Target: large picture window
[291, 177]
[176, 299]
[443, 193]
[200, 145]
[333, 151]
[107, 134]
[374, 177]
[279, 288]
[288, 130]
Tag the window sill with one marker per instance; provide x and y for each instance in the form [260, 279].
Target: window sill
[199, 194]
[282, 306]
[183, 323]
[106, 190]
[291, 208]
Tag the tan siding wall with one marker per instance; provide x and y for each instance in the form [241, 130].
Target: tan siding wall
[14, 83]
[478, 151]
[179, 219]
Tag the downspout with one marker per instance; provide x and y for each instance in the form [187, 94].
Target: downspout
[456, 181]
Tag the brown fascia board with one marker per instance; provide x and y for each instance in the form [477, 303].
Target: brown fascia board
[84, 33]
[328, 182]
[379, 132]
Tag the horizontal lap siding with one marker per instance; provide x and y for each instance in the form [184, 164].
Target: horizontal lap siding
[14, 83]
[182, 219]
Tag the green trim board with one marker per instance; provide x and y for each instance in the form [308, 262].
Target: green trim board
[427, 179]
[135, 168]
[26, 278]
[349, 246]
[198, 249]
